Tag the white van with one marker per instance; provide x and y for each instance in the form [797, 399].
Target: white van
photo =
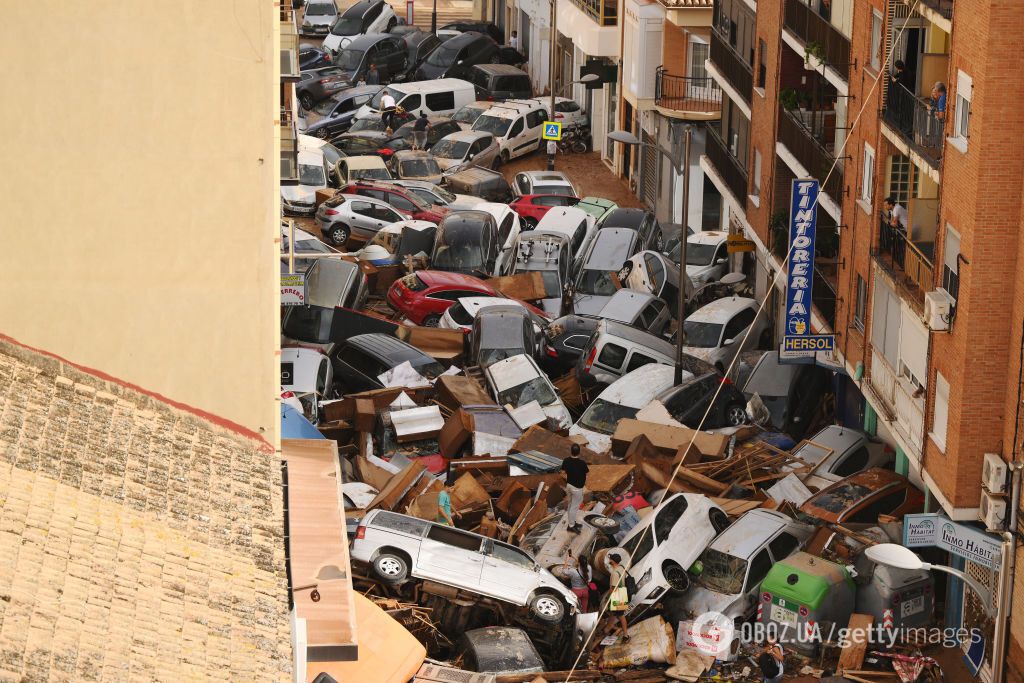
[516, 126]
[442, 97]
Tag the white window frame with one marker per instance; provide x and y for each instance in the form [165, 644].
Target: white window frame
[940, 415]
[950, 252]
[961, 111]
[755, 186]
[867, 176]
[861, 306]
[876, 40]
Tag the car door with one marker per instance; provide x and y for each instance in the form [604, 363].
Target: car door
[505, 242]
[721, 263]
[508, 573]
[756, 571]
[689, 404]
[366, 219]
[654, 316]
[451, 556]
[736, 330]
[402, 204]
[535, 125]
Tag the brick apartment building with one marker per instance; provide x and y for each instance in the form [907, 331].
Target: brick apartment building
[927, 319]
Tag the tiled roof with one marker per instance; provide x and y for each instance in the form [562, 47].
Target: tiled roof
[137, 542]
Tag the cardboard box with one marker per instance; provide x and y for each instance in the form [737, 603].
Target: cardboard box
[323, 195]
[416, 424]
[440, 344]
[365, 415]
[457, 430]
[457, 391]
[669, 441]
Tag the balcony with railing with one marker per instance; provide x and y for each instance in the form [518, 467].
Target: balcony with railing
[809, 135]
[289, 147]
[943, 7]
[917, 122]
[701, 97]
[732, 66]
[604, 12]
[728, 167]
[901, 396]
[823, 40]
[909, 263]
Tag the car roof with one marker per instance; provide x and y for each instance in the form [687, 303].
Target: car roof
[442, 278]
[835, 437]
[610, 243]
[368, 40]
[385, 345]
[359, 9]
[770, 377]
[624, 304]
[467, 135]
[638, 388]
[721, 310]
[475, 304]
[500, 69]
[546, 176]
[421, 86]
[456, 220]
[467, 37]
[708, 237]
[632, 334]
[499, 211]
[364, 161]
[569, 215]
[748, 533]
[625, 218]
[311, 157]
[406, 154]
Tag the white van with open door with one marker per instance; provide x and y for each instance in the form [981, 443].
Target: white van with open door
[442, 97]
[516, 126]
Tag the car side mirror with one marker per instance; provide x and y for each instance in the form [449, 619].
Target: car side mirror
[728, 342]
[720, 261]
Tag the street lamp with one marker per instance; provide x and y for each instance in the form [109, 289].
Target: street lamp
[893, 555]
[586, 78]
[627, 138]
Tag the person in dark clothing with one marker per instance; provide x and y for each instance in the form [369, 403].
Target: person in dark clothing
[419, 131]
[575, 482]
[373, 76]
[899, 75]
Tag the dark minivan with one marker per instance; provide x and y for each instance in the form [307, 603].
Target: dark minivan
[388, 52]
[499, 82]
[418, 45]
[454, 57]
[640, 220]
[467, 243]
[360, 360]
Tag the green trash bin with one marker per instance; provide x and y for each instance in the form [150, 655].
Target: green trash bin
[805, 600]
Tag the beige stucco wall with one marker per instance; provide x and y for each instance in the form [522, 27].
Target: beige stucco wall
[139, 195]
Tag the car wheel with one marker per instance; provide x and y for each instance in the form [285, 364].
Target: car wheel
[391, 568]
[529, 223]
[736, 415]
[339, 235]
[322, 134]
[547, 607]
[504, 156]
[306, 101]
[719, 520]
[676, 577]
[603, 524]
[431, 321]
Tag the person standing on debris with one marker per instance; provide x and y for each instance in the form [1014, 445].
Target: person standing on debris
[419, 131]
[618, 597]
[387, 109]
[573, 570]
[513, 41]
[444, 506]
[575, 482]
[772, 654]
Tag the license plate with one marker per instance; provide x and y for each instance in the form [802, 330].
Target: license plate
[912, 606]
[783, 616]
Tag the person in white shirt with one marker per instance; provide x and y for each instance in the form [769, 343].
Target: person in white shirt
[387, 109]
[513, 40]
[897, 214]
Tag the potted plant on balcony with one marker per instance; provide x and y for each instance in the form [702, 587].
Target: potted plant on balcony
[814, 56]
[789, 99]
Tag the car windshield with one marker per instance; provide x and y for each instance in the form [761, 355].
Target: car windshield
[467, 115]
[319, 9]
[450, 149]
[596, 282]
[311, 175]
[602, 416]
[460, 256]
[700, 254]
[722, 573]
[535, 389]
[372, 125]
[701, 335]
[347, 26]
[552, 283]
[444, 194]
[419, 168]
[550, 189]
[350, 59]
[309, 324]
[841, 498]
[326, 107]
[443, 56]
[369, 174]
[492, 124]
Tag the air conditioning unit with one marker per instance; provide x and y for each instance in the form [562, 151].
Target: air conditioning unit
[992, 510]
[937, 306]
[993, 473]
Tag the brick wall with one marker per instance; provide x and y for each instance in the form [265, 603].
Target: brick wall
[673, 50]
[763, 112]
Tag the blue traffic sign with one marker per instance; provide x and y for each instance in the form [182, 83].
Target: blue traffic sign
[552, 130]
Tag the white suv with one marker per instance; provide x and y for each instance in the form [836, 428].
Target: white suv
[397, 547]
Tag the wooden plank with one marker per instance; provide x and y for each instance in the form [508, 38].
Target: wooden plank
[525, 286]
[397, 487]
[858, 630]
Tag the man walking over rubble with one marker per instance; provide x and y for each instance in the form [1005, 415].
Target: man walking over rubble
[444, 506]
[575, 482]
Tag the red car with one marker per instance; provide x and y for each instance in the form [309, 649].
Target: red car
[400, 198]
[532, 207]
[425, 295]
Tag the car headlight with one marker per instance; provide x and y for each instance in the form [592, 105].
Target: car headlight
[643, 580]
[306, 24]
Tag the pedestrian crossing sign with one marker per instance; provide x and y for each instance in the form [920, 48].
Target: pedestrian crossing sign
[552, 130]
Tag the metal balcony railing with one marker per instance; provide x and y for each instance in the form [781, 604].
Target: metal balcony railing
[734, 175]
[686, 93]
[916, 121]
[817, 33]
[943, 7]
[811, 153]
[904, 257]
[604, 12]
[733, 67]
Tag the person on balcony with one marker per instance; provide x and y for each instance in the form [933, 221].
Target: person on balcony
[896, 217]
[899, 75]
[938, 105]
